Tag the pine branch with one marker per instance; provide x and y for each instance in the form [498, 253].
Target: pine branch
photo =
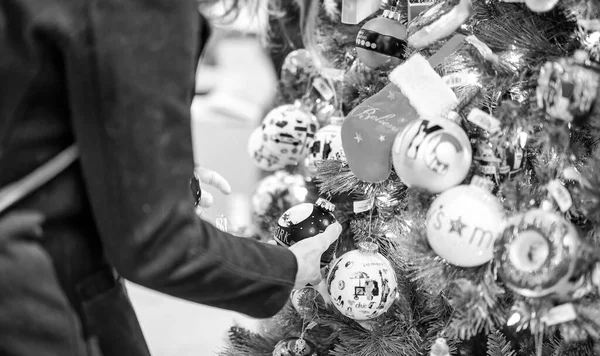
[394, 335]
[498, 346]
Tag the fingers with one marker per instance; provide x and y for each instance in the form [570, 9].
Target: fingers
[329, 236]
[22, 222]
[207, 199]
[213, 178]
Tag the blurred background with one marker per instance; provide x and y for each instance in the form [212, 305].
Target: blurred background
[236, 86]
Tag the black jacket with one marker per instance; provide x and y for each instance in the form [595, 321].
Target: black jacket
[117, 77]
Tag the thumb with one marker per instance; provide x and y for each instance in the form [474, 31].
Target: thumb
[329, 236]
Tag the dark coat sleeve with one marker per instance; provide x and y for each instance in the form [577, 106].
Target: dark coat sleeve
[130, 68]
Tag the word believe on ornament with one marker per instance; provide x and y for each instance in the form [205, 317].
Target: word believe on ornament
[368, 112]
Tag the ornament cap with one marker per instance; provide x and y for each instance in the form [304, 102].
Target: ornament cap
[368, 248]
[325, 204]
[391, 14]
[481, 182]
[454, 117]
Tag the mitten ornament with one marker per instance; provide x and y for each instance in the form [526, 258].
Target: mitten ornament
[368, 132]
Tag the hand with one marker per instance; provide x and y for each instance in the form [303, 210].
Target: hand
[308, 254]
[211, 178]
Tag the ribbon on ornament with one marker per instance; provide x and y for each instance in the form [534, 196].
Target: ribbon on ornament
[384, 44]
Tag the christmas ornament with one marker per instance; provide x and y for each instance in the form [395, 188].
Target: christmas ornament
[440, 348]
[294, 346]
[382, 41]
[274, 195]
[537, 254]
[432, 154]
[261, 154]
[541, 5]
[438, 22]
[463, 222]
[321, 99]
[298, 66]
[362, 283]
[288, 131]
[425, 89]
[300, 297]
[303, 221]
[327, 145]
[568, 87]
[369, 130]
[502, 156]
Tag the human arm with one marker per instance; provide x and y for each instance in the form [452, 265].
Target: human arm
[130, 81]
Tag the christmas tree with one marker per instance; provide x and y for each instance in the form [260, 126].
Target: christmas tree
[457, 143]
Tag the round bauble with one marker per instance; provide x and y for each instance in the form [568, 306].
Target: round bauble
[463, 224]
[432, 154]
[362, 283]
[297, 63]
[537, 254]
[569, 87]
[288, 131]
[541, 5]
[294, 346]
[327, 145]
[305, 300]
[304, 221]
[382, 41]
[260, 152]
[274, 195]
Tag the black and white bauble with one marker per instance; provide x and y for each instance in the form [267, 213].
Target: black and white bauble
[288, 131]
[303, 221]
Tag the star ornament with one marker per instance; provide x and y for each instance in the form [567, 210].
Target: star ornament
[358, 137]
[457, 226]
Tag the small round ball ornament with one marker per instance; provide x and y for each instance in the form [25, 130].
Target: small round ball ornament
[569, 87]
[260, 152]
[294, 346]
[432, 154]
[464, 222]
[382, 41]
[288, 131]
[537, 254]
[362, 283]
[274, 195]
[304, 221]
[541, 5]
[298, 65]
